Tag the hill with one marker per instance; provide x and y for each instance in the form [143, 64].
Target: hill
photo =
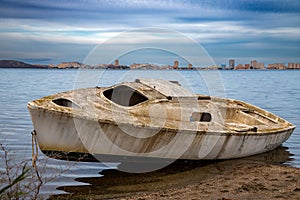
[19, 64]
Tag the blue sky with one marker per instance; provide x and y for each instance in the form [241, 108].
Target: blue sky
[67, 30]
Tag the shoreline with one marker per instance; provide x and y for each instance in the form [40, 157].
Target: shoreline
[179, 69]
[241, 181]
[134, 66]
[256, 177]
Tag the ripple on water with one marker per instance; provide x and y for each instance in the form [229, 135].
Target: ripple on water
[261, 88]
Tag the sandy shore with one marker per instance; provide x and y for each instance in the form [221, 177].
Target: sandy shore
[240, 181]
[257, 177]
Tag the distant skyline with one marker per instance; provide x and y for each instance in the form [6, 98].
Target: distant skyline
[65, 30]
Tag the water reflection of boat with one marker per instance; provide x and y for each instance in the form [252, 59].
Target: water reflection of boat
[152, 118]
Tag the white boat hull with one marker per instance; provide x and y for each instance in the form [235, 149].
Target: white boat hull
[60, 132]
[152, 118]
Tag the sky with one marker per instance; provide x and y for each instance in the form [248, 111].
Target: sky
[67, 30]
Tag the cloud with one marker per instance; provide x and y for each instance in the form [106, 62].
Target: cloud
[256, 6]
[204, 32]
[246, 24]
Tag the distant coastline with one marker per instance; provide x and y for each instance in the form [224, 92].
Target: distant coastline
[135, 66]
[19, 64]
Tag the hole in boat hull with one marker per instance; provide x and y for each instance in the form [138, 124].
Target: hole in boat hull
[65, 103]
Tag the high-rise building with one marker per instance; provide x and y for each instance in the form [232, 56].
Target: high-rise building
[256, 65]
[116, 62]
[276, 66]
[176, 63]
[253, 64]
[231, 63]
[293, 66]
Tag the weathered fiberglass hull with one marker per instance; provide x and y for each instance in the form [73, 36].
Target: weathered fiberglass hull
[233, 128]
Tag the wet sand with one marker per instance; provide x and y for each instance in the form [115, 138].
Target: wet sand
[240, 181]
[256, 177]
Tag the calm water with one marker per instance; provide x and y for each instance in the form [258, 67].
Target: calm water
[275, 91]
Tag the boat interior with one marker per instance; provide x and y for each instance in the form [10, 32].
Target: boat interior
[238, 116]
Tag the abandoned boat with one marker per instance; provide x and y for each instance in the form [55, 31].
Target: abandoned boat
[153, 118]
